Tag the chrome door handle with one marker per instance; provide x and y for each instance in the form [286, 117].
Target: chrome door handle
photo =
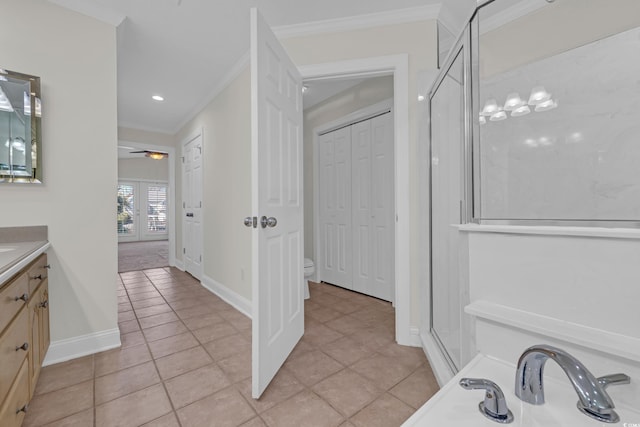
[268, 222]
[190, 215]
[251, 221]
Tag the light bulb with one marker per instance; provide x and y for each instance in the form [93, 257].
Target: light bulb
[538, 95]
[523, 110]
[513, 101]
[498, 115]
[490, 107]
[547, 105]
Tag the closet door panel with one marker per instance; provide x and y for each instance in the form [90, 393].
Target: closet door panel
[382, 282]
[335, 207]
[361, 191]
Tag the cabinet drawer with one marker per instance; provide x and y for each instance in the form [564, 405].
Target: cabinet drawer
[37, 272]
[12, 412]
[10, 301]
[15, 336]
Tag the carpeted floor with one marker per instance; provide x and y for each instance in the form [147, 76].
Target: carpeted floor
[143, 255]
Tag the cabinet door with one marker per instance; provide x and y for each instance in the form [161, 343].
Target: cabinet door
[45, 337]
[34, 341]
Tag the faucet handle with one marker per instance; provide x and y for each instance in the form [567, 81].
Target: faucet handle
[614, 379]
[608, 416]
[494, 405]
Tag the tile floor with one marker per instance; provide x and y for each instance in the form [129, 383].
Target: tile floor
[186, 361]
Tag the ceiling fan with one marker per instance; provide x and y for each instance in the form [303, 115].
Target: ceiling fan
[155, 155]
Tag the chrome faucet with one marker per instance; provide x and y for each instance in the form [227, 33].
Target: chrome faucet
[494, 405]
[593, 399]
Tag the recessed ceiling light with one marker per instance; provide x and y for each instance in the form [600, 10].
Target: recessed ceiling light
[157, 98]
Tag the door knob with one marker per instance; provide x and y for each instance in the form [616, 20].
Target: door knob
[190, 215]
[251, 221]
[268, 222]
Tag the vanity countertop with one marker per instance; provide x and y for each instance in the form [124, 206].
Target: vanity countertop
[16, 255]
[454, 406]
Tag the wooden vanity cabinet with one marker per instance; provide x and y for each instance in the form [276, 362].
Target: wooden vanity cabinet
[24, 339]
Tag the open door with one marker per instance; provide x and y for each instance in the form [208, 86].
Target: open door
[276, 182]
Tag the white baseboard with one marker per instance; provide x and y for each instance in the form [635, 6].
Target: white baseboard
[72, 348]
[414, 337]
[239, 302]
[439, 365]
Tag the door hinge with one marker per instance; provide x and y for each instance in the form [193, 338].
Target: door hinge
[200, 204]
[183, 205]
[200, 258]
[182, 159]
[184, 250]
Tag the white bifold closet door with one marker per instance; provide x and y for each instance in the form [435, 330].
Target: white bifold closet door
[357, 207]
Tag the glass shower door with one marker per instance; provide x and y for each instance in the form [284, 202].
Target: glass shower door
[447, 196]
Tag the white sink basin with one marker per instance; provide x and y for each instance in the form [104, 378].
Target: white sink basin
[6, 249]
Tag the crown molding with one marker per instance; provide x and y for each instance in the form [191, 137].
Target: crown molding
[399, 16]
[92, 10]
[510, 13]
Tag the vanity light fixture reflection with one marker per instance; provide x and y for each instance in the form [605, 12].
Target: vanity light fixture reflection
[513, 102]
[498, 116]
[522, 110]
[547, 105]
[538, 95]
[490, 107]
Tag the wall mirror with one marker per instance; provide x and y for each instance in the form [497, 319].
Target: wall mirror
[20, 128]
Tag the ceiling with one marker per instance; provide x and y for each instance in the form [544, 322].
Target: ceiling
[184, 49]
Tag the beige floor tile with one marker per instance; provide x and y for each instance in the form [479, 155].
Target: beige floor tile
[164, 331]
[283, 386]
[347, 391]
[240, 321]
[195, 311]
[153, 310]
[346, 350]
[195, 385]
[158, 319]
[413, 357]
[347, 424]
[140, 289]
[228, 408]
[126, 315]
[173, 344]
[131, 339]
[120, 358]
[237, 367]
[81, 419]
[185, 303]
[228, 346]
[126, 381]
[61, 375]
[346, 325]
[144, 295]
[313, 367]
[300, 349]
[168, 420]
[123, 308]
[305, 409]
[148, 302]
[317, 334]
[385, 371]
[202, 321]
[373, 337]
[255, 422]
[128, 326]
[386, 411]
[214, 332]
[182, 362]
[417, 388]
[59, 404]
[324, 314]
[134, 409]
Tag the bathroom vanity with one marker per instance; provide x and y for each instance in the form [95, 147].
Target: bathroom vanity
[24, 320]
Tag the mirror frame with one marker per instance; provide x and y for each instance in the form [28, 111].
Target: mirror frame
[35, 176]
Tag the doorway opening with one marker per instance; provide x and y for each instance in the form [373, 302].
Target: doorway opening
[145, 200]
[395, 66]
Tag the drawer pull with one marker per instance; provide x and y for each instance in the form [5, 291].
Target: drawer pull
[24, 347]
[24, 409]
[24, 297]
[47, 266]
[44, 304]
[38, 277]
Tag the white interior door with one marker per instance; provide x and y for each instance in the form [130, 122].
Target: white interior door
[373, 207]
[277, 257]
[192, 206]
[335, 206]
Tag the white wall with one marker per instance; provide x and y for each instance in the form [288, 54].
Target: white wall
[143, 169]
[367, 93]
[418, 40]
[75, 56]
[226, 125]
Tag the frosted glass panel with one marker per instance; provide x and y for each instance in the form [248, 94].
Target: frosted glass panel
[447, 138]
[559, 113]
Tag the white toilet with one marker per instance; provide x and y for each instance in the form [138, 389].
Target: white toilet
[309, 269]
